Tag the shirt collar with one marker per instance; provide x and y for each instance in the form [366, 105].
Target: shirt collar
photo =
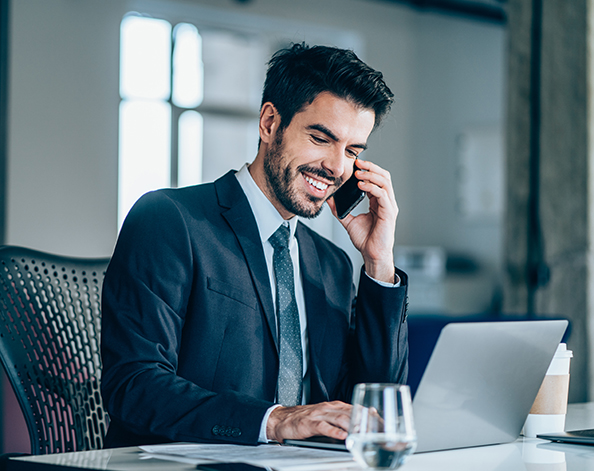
[267, 217]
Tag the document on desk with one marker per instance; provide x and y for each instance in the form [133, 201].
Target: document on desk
[277, 457]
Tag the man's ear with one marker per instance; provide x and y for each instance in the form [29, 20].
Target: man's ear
[269, 122]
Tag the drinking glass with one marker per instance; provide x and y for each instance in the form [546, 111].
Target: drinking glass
[382, 432]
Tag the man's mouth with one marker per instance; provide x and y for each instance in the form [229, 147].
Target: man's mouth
[316, 183]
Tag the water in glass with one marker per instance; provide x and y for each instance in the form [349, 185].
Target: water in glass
[381, 433]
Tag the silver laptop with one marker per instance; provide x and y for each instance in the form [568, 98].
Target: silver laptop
[481, 381]
[479, 385]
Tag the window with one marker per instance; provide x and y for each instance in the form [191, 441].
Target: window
[184, 93]
[145, 110]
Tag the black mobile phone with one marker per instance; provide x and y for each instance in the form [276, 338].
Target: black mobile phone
[348, 196]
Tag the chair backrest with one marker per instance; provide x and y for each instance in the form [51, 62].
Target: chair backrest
[50, 325]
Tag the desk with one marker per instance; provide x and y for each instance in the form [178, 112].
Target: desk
[524, 454]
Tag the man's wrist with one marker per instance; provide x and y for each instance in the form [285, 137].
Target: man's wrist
[263, 437]
[381, 270]
[393, 284]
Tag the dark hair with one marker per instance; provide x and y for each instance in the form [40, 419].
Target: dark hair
[298, 74]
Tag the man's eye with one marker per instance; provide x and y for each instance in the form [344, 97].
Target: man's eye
[319, 140]
[352, 153]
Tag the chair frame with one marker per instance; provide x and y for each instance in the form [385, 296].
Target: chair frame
[50, 325]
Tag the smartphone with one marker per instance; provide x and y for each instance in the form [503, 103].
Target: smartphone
[348, 196]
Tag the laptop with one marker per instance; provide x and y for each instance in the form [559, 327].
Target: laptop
[581, 437]
[480, 383]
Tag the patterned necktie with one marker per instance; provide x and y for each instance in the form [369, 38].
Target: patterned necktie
[290, 373]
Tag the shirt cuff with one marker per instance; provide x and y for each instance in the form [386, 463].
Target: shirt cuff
[262, 438]
[396, 283]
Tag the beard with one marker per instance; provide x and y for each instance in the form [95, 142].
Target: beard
[281, 179]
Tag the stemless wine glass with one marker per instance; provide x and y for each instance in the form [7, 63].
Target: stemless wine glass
[382, 432]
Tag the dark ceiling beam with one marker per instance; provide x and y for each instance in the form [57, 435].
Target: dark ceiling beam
[474, 10]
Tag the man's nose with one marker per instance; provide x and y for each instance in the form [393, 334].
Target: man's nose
[334, 163]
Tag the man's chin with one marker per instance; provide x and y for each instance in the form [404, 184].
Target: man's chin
[310, 215]
[310, 211]
[303, 205]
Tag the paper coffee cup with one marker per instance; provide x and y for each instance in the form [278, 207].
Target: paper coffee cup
[550, 406]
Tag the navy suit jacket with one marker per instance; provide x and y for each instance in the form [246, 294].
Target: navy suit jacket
[189, 343]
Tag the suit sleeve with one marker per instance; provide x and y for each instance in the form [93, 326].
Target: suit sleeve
[145, 294]
[378, 344]
[382, 331]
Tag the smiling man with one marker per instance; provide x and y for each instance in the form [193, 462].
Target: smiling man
[227, 319]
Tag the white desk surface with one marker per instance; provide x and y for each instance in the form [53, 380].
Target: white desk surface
[522, 455]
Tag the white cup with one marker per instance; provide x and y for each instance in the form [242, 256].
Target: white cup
[550, 406]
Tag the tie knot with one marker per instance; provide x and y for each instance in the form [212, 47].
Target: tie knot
[280, 239]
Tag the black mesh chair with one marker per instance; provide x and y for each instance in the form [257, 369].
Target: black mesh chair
[50, 323]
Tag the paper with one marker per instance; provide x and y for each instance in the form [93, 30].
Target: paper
[267, 456]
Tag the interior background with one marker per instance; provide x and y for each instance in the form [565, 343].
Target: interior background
[447, 73]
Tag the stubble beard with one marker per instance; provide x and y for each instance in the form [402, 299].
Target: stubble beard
[281, 182]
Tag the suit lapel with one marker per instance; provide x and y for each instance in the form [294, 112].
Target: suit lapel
[241, 219]
[315, 300]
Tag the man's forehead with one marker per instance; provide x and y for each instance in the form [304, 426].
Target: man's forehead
[329, 97]
[337, 117]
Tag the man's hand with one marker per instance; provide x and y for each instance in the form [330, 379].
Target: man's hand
[372, 233]
[327, 418]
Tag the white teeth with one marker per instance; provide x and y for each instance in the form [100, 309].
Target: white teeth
[317, 184]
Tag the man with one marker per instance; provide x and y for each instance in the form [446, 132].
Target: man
[214, 329]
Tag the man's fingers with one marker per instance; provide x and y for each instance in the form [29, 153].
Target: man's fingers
[372, 168]
[376, 176]
[376, 182]
[331, 431]
[337, 417]
[329, 419]
[374, 179]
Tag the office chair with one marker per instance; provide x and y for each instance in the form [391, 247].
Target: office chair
[50, 323]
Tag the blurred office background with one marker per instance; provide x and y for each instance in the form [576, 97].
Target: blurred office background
[103, 100]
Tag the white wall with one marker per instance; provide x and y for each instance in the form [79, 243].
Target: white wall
[459, 83]
[446, 73]
[63, 110]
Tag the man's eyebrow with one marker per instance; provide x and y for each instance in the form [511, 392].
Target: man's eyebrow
[323, 129]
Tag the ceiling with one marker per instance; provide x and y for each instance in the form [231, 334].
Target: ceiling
[483, 10]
